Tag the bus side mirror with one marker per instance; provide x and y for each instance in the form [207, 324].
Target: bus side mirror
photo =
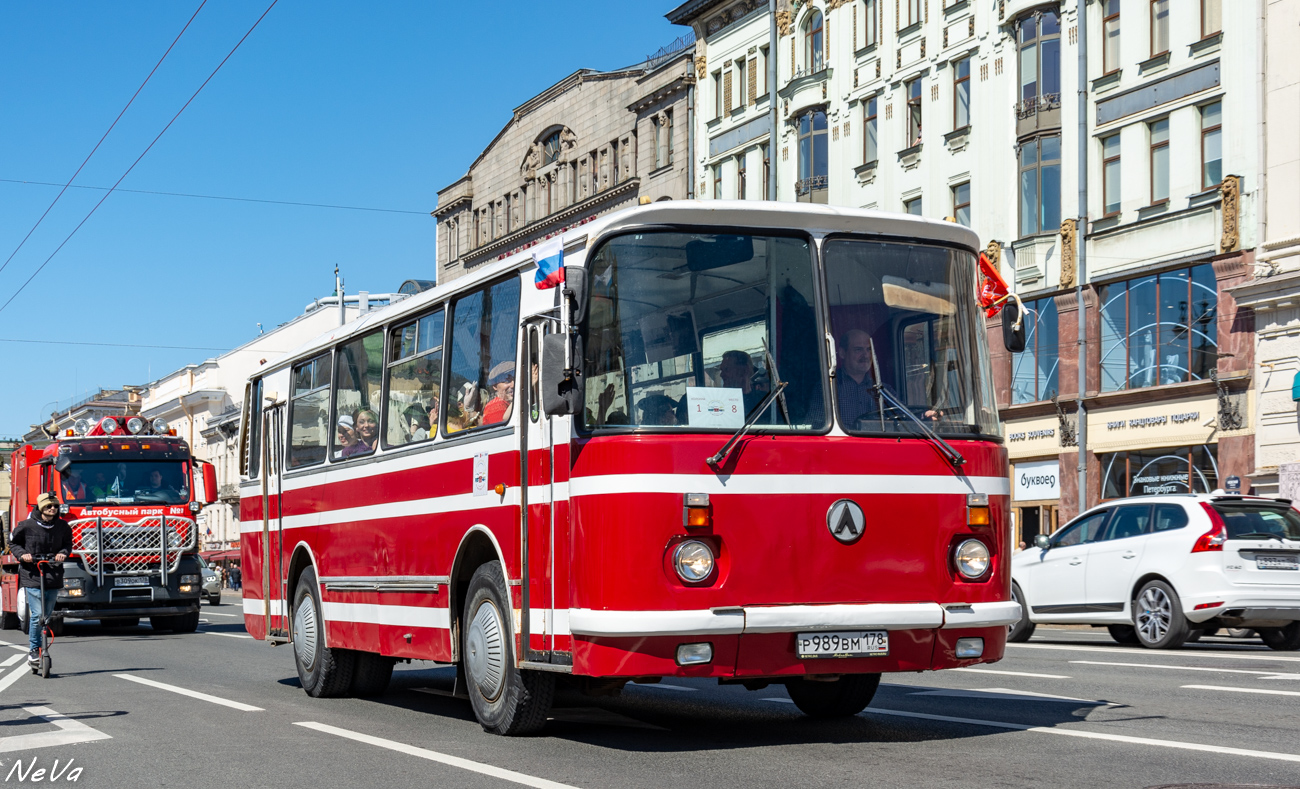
[561, 394]
[575, 287]
[1012, 337]
[209, 483]
[1042, 541]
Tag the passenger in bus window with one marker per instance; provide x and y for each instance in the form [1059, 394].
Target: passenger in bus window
[456, 417]
[658, 409]
[502, 381]
[348, 444]
[737, 371]
[367, 429]
[99, 487]
[417, 423]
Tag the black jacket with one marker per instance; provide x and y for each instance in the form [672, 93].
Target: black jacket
[32, 536]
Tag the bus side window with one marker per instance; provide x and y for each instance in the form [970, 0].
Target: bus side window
[484, 340]
[309, 411]
[357, 386]
[250, 445]
[414, 381]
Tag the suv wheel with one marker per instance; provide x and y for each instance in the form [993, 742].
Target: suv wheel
[1158, 617]
[1284, 639]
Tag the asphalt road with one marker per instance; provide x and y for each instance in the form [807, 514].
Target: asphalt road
[1069, 709]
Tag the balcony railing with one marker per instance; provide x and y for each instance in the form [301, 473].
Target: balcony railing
[1036, 104]
[812, 189]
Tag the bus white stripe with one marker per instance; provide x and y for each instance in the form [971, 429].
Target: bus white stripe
[380, 614]
[253, 605]
[462, 502]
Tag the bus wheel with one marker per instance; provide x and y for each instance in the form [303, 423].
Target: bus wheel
[323, 672]
[506, 700]
[1021, 631]
[841, 698]
[371, 675]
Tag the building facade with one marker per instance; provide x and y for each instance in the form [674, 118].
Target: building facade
[968, 110]
[590, 144]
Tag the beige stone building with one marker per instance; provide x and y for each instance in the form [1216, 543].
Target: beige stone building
[590, 144]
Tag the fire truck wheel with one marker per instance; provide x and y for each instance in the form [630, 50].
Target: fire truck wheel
[10, 621]
[841, 698]
[1024, 629]
[56, 627]
[506, 700]
[371, 675]
[163, 624]
[24, 624]
[185, 623]
[323, 671]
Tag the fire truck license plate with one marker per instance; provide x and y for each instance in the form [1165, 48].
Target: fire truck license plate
[131, 580]
[842, 644]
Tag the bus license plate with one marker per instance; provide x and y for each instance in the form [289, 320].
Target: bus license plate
[843, 644]
[1277, 562]
[131, 580]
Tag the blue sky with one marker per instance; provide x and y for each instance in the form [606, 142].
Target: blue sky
[360, 104]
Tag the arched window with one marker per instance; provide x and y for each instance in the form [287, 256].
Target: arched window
[812, 42]
[812, 184]
[551, 149]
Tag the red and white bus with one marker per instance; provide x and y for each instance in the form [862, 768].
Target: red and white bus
[753, 441]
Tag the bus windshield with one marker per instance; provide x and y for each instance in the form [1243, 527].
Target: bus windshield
[687, 332]
[89, 482]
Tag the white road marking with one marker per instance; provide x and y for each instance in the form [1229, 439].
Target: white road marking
[194, 694]
[1095, 735]
[227, 635]
[779, 701]
[19, 647]
[12, 659]
[69, 732]
[662, 686]
[440, 692]
[214, 613]
[1004, 694]
[1012, 673]
[1264, 674]
[434, 756]
[14, 676]
[1245, 690]
[1199, 653]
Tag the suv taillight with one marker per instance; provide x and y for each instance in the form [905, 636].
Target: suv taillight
[1213, 539]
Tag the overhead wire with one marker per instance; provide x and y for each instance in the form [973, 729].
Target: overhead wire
[141, 156]
[111, 126]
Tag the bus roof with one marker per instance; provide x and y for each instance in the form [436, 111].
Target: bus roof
[752, 215]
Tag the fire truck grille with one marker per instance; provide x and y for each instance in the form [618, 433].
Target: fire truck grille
[131, 548]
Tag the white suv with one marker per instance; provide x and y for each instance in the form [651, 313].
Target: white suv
[1158, 570]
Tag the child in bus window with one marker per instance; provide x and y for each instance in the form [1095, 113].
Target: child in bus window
[416, 421]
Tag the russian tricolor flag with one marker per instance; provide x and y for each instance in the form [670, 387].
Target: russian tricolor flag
[549, 256]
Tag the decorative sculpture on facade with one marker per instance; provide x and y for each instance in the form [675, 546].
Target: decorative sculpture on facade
[1069, 238]
[1230, 191]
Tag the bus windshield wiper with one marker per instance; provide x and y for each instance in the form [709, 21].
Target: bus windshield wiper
[718, 459]
[953, 456]
[775, 375]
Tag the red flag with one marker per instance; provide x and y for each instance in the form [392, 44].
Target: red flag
[992, 287]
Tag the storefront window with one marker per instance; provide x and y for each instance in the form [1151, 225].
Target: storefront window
[1159, 329]
[1033, 376]
[1159, 471]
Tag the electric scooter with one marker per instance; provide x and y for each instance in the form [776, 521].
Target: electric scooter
[46, 663]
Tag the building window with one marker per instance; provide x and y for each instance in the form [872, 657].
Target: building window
[1160, 471]
[1040, 185]
[1038, 43]
[1110, 175]
[915, 12]
[1211, 17]
[760, 80]
[871, 21]
[1159, 329]
[1110, 36]
[1159, 27]
[717, 181]
[812, 42]
[659, 142]
[1212, 145]
[870, 131]
[551, 149]
[740, 177]
[717, 94]
[961, 203]
[812, 183]
[961, 94]
[912, 206]
[668, 135]
[1159, 161]
[742, 92]
[1034, 371]
[913, 112]
[767, 173]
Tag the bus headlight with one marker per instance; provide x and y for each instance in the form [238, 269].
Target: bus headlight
[971, 558]
[693, 561]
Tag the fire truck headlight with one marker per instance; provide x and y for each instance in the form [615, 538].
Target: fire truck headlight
[189, 579]
[82, 426]
[135, 425]
[109, 425]
[160, 426]
[971, 558]
[73, 583]
[693, 561]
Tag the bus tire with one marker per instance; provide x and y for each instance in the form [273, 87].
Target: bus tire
[506, 700]
[1024, 629]
[842, 698]
[324, 672]
[371, 675]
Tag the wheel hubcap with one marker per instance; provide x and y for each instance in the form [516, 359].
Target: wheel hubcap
[485, 650]
[1154, 614]
[305, 636]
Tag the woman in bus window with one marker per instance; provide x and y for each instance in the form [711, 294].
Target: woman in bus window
[348, 445]
[367, 428]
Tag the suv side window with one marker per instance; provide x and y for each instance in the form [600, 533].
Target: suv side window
[1168, 517]
[1084, 530]
[1130, 520]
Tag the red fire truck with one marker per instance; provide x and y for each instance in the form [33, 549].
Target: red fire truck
[131, 491]
[755, 442]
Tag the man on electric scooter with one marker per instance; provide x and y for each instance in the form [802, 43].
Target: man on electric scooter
[43, 533]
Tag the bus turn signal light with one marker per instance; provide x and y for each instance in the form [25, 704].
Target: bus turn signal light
[695, 511]
[978, 516]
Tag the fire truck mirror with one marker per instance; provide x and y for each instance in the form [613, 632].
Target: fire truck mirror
[1013, 338]
[561, 393]
[61, 465]
[209, 483]
[575, 287]
[35, 474]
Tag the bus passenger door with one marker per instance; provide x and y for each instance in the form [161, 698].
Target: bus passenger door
[275, 606]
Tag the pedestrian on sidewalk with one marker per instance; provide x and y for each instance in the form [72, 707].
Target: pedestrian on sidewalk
[235, 577]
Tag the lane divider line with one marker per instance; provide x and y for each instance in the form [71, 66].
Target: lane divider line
[69, 732]
[779, 701]
[1245, 690]
[1264, 674]
[13, 676]
[1198, 653]
[434, 756]
[214, 613]
[227, 635]
[194, 694]
[12, 659]
[1095, 735]
[662, 686]
[1013, 673]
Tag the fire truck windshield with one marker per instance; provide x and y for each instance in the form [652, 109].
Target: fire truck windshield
[87, 482]
[686, 331]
